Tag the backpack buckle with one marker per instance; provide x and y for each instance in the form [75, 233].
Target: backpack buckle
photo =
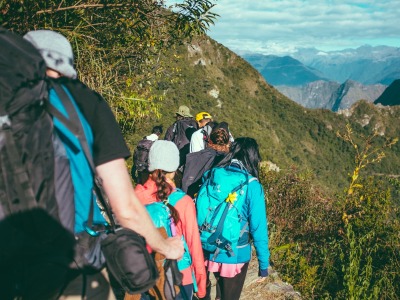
[205, 227]
[96, 229]
[5, 122]
[228, 248]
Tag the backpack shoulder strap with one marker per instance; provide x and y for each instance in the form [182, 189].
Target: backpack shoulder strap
[175, 196]
[75, 126]
[205, 137]
[253, 179]
[73, 123]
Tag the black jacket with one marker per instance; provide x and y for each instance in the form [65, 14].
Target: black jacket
[197, 163]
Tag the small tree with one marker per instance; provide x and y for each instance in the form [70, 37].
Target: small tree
[370, 241]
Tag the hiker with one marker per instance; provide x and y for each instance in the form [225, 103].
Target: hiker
[181, 132]
[199, 138]
[139, 170]
[197, 163]
[109, 148]
[155, 133]
[226, 243]
[160, 187]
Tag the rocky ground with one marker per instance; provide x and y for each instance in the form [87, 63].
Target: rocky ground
[273, 288]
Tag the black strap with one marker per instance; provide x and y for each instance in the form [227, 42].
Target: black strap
[205, 137]
[75, 126]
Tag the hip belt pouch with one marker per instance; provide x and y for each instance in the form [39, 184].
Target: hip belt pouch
[129, 261]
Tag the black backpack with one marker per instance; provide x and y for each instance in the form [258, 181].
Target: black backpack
[28, 208]
[182, 132]
[141, 155]
[197, 163]
[23, 92]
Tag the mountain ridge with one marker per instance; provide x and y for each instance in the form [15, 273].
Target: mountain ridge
[391, 95]
[284, 70]
[332, 95]
[350, 74]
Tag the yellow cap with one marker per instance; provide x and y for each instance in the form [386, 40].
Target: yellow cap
[203, 115]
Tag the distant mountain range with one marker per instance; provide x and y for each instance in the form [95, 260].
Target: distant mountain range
[332, 80]
[366, 64]
[283, 70]
[332, 95]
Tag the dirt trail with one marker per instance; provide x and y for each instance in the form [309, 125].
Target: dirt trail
[273, 288]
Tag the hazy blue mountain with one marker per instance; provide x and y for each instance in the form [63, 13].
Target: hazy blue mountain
[366, 64]
[332, 95]
[259, 61]
[283, 70]
[391, 96]
[313, 78]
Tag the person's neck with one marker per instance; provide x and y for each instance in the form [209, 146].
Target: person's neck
[170, 176]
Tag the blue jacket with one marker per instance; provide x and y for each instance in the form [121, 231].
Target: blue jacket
[254, 211]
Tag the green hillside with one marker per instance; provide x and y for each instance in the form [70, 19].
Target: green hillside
[214, 79]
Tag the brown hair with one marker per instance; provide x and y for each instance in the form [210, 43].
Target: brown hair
[219, 140]
[164, 189]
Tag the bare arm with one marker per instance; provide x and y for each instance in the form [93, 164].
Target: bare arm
[130, 212]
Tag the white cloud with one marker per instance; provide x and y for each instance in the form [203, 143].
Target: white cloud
[261, 25]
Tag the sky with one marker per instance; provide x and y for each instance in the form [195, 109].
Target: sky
[281, 26]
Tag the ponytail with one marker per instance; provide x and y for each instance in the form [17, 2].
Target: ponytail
[164, 189]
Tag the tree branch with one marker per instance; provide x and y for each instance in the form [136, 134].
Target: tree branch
[84, 6]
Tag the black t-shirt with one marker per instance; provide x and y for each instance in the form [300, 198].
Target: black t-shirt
[108, 143]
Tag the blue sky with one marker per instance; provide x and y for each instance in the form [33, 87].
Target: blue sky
[281, 26]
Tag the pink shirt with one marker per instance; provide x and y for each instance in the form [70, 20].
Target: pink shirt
[224, 270]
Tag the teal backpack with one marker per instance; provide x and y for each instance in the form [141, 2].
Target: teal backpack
[219, 204]
[161, 216]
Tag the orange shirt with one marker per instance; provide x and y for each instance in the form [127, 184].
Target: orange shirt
[187, 226]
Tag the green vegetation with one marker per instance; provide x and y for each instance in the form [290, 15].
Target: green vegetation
[117, 43]
[344, 247]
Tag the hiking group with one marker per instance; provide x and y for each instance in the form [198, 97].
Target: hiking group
[65, 189]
